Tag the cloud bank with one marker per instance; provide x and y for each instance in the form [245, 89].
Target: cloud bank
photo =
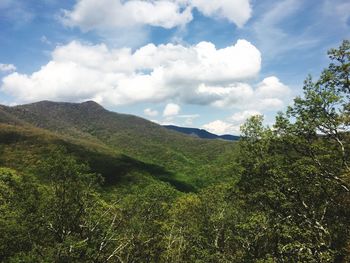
[200, 74]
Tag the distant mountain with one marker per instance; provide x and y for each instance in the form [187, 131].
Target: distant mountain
[200, 133]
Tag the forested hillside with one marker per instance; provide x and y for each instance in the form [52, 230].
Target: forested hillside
[79, 183]
[88, 125]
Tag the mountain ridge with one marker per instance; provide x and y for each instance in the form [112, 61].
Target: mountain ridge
[201, 133]
[93, 107]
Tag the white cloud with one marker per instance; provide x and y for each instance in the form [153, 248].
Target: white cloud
[149, 112]
[270, 104]
[199, 74]
[7, 67]
[271, 87]
[171, 109]
[104, 14]
[232, 124]
[236, 11]
[220, 127]
[269, 94]
[240, 117]
[107, 14]
[233, 95]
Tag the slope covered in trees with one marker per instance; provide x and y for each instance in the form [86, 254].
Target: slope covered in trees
[284, 198]
[90, 125]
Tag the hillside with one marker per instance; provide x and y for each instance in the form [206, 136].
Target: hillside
[200, 133]
[88, 123]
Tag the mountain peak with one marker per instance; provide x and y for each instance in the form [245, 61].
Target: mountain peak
[90, 103]
[47, 104]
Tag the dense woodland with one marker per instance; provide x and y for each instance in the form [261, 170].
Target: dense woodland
[81, 184]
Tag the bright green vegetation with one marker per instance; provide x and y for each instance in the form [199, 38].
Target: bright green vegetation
[82, 184]
[113, 144]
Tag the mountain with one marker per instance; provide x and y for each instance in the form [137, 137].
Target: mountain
[200, 133]
[126, 144]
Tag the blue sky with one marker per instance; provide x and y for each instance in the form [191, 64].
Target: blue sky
[198, 63]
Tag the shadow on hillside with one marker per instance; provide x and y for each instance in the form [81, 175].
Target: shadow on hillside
[10, 137]
[117, 169]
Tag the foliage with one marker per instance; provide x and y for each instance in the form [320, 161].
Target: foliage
[297, 173]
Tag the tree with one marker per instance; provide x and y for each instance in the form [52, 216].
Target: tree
[19, 206]
[297, 173]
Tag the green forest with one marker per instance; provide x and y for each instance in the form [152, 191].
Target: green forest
[81, 184]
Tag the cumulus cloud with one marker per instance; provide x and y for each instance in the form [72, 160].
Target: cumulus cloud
[198, 74]
[240, 117]
[7, 67]
[171, 109]
[107, 14]
[232, 124]
[149, 112]
[219, 127]
[104, 14]
[269, 94]
[232, 95]
[272, 87]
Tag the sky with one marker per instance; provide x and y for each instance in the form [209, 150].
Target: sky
[196, 63]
